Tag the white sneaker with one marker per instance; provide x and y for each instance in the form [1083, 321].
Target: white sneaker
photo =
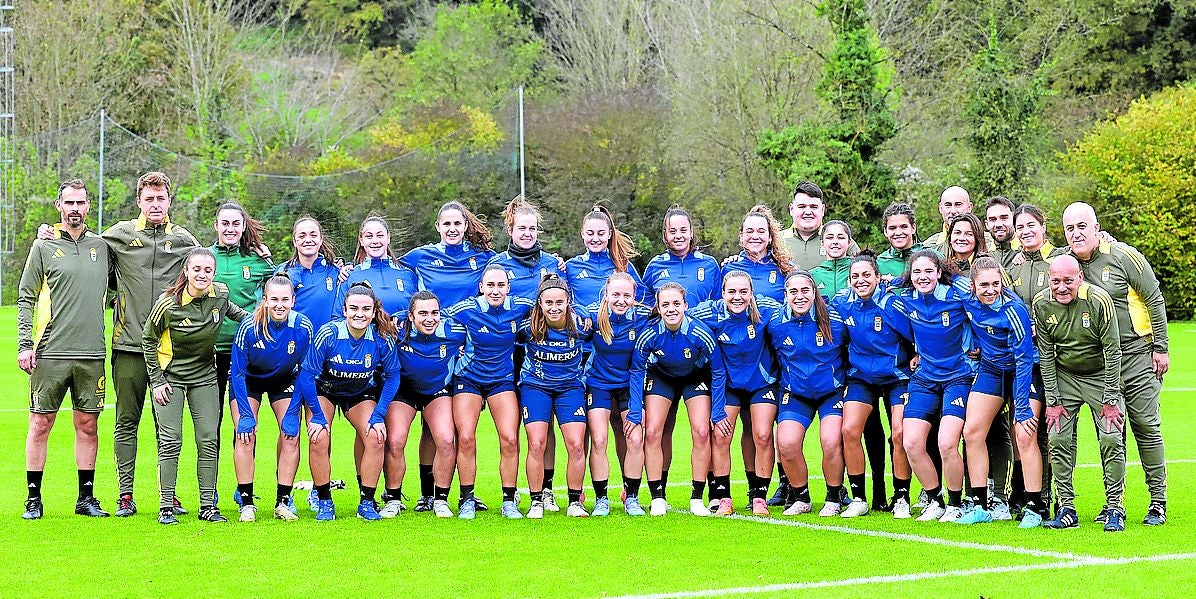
[858, 507]
[658, 507]
[282, 512]
[901, 509]
[441, 508]
[536, 511]
[550, 501]
[249, 513]
[933, 511]
[951, 514]
[713, 505]
[576, 510]
[393, 508]
[923, 499]
[698, 508]
[830, 508]
[798, 507]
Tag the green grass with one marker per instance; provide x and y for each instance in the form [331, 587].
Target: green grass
[417, 554]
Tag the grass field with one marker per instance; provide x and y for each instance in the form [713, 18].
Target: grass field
[678, 555]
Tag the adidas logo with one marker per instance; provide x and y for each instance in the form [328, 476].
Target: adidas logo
[438, 262]
[850, 321]
[664, 274]
[337, 359]
[788, 342]
[770, 396]
[702, 387]
[725, 338]
[187, 322]
[259, 345]
[579, 412]
[32, 485]
[958, 402]
[583, 275]
[136, 243]
[838, 405]
[59, 254]
[1052, 320]
[483, 330]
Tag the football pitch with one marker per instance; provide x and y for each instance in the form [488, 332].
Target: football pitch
[678, 555]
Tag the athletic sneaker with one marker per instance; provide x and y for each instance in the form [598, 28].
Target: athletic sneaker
[760, 507]
[951, 513]
[1030, 519]
[549, 501]
[90, 507]
[1116, 521]
[844, 497]
[658, 507]
[725, 507]
[284, 513]
[923, 499]
[313, 500]
[441, 508]
[601, 507]
[830, 508]
[424, 503]
[209, 513]
[698, 508]
[368, 510]
[248, 513]
[510, 510]
[290, 505]
[631, 506]
[325, 510]
[901, 509]
[33, 509]
[393, 508]
[576, 510]
[179, 510]
[932, 512]
[468, 509]
[1000, 510]
[1156, 514]
[797, 508]
[125, 506]
[1064, 518]
[778, 498]
[975, 515]
[536, 511]
[857, 508]
[713, 505]
[236, 499]
[166, 516]
[1102, 515]
[481, 506]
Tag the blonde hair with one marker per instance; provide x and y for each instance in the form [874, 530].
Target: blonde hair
[261, 316]
[780, 254]
[604, 327]
[514, 208]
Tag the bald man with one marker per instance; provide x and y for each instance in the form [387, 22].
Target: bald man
[1127, 277]
[1079, 347]
[953, 202]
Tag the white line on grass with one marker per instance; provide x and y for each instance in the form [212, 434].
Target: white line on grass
[1135, 463]
[894, 578]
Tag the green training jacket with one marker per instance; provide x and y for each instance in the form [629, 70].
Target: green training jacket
[244, 276]
[1080, 337]
[60, 300]
[180, 336]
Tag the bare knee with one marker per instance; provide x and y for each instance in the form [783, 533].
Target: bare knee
[654, 436]
[88, 427]
[39, 427]
[467, 443]
[974, 436]
[535, 446]
[508, 444]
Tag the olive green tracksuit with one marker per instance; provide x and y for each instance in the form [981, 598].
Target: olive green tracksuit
[179, 348]
[145, 260]
[1127, 277]
[807, 252]
[1080, 357]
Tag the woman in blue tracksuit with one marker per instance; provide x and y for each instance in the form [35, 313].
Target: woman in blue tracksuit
[352, 365]
[764, 256]
[428, 350]
[315, 271]
[809, 341]
[934, 299]
[879, 351]
[550, 386]
[737, 321]
[1007, 372]
[485, 376]
[618, 320]
[683, 264]
[676, 359]
[608, 250]
[393, 283]
[266, 353]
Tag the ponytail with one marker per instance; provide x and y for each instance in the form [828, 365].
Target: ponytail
[677, 210]
[621, 247]
[382, 322]
[753, 308]
[327, 248]
[180, 282]
[251, 239]
[514, 208]
[476, 232]
[360, 254]
[603, 321]
[670, 286]
[261, 316]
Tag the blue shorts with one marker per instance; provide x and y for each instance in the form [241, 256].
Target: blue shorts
[485, 390]
[892, 394]
[928, 399]
[419, 400]
[540, 404]
[802, 410]
[607, 399]
[674, 388]
[278, 388]
[999, 383]
[737, 398]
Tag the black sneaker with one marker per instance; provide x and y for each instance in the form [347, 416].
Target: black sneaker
[1102, 516]
[779, 498]
[33, 509]
[424, 503]
[166, 516]
[125, 506]
[210, 513]
[90, 506]
[479, 505]
[1156, 514]
[179, 510]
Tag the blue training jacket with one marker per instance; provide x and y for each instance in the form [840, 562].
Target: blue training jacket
[677, 354]
[942, 333]
[555, 362]
[393, 285]
[452, 272]
[609, 366]
[490, 337]
[879, 339]
[526, 280]
[812, 366]
[337, 364]
[698, 273]
[748, 359]
[1002, 331]
[586, 276]
[315, 288]
[767, 278]
[427, 362]
[261, 358]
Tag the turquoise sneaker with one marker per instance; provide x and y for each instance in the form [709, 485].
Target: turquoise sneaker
[510, 510]
[467, 509]
[601, 507]
[313, 500]
[975, 515]
[1031, 519]
[631, 505]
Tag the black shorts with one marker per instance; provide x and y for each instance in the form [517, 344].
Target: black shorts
[346, 402]
[277, 389]
[675, 388]
[417, 400]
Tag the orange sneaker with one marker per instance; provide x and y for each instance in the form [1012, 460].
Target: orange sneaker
[725, 507]
[760, 507]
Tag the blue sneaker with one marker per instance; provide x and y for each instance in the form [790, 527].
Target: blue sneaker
[1116, 521]
[290, 504]
[313, 500]
[510, 510]
[975, 515]
[325, 510]
[778, 498]
[1064, 518]
[1156, 514]
[601, 507]
[631, 505]
[468, 508]
[368, 510]
[1030, 519]
[236, 498]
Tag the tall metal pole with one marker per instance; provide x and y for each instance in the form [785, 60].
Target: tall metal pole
[100, 194]
[522, 189]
